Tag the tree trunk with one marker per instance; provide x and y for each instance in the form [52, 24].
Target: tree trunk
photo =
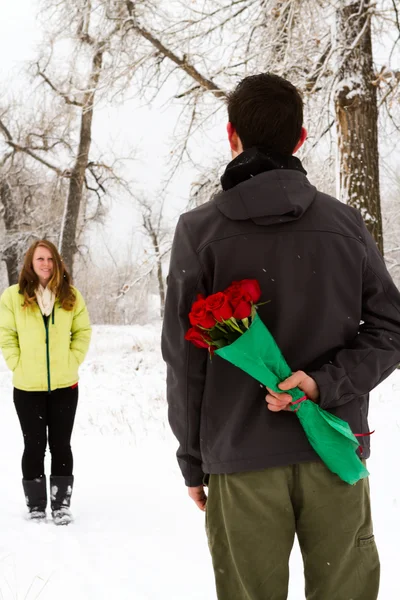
[160, 278]
[357, 116]
[11, 253]
[154, 234]
[161, 287]
[68, 235]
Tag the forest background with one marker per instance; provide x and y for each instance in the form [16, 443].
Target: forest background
[112, 123]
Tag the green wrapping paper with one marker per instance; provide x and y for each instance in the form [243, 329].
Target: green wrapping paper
[257, 353]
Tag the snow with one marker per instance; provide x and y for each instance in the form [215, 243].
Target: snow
[352, 84]
[136, 534]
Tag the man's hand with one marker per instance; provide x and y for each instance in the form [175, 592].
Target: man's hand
[198, 495]
[277, 402]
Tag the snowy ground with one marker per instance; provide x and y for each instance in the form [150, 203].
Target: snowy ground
[136, 535]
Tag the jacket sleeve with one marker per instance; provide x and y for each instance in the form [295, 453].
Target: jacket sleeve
[81, 330]
[375, 352]
[9, 341]
[186, 364]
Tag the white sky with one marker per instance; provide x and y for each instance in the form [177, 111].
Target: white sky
[18, 34]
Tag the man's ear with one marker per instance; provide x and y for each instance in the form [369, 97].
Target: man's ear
[234, 140]
[303, 137]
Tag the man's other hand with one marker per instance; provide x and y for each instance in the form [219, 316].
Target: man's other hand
[281, 401]
[198, 495]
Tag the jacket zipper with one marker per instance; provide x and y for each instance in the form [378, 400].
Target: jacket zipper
[46, 324]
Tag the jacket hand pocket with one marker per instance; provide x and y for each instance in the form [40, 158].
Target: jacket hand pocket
[13, 367]
[73, 361]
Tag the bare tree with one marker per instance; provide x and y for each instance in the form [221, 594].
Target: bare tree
[30, 182]
[157, 245]
[36, 147]
[67, 243]
[10, 250]
[213, 45]
[91, 35]
[28, 209]
[152, 225]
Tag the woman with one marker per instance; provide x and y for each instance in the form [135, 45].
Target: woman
[44, 336]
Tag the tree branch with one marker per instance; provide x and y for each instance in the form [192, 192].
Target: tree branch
[182, 63]
[18, 148]
[97, 180]
[6, 131]
[63, 95]
[5, 158]
[313, 79]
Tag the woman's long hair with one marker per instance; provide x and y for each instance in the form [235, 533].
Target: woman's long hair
[60, 282]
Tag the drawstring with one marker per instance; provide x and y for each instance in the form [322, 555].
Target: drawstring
[52, 316]
[360, 449]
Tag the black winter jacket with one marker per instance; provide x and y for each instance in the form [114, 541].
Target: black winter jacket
[333, 310]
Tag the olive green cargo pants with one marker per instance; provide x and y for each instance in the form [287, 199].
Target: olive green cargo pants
[251, 522]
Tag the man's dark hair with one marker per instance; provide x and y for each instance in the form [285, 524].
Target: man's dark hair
[266, 111]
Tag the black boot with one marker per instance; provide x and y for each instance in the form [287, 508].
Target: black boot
[60, 495]
[36, 497]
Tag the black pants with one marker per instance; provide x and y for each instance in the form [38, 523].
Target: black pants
[42, 414]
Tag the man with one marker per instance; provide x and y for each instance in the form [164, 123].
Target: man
[334, 312]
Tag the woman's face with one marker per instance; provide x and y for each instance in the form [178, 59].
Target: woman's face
[43, 264]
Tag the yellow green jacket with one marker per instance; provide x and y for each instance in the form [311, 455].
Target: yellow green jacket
[43, 358]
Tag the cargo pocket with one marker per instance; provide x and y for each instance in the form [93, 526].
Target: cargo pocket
[365, 540]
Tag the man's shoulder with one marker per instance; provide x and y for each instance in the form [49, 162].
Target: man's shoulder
[337, 215]
[203, 211]
[333, 202]
[202, 221]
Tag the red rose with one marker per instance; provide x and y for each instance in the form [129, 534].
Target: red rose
[200, 316]
[236, 294]
[218, 304]
[242, 310]
[250, 287]
[199, 338]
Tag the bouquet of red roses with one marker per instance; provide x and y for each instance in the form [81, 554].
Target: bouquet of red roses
[221, 318]
[227, 324]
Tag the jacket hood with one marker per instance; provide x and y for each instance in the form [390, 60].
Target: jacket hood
[276, 196]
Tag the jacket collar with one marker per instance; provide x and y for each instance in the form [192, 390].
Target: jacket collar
[266, 194]
[253, 161]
